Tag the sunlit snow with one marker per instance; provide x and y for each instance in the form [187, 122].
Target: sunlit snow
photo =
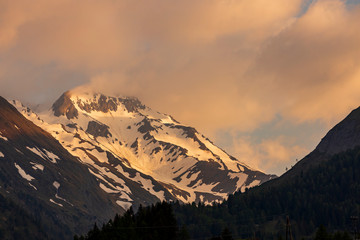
[23, 173]
[32, 186]
[59, 204]
[46, 155]
[124, 205]
[51, 156]
[4, 138]
[37, 166]
[37, 152]
[56, 185]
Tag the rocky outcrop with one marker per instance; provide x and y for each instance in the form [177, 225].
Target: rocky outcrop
[102, 103]
[98, 130]
[64, 107]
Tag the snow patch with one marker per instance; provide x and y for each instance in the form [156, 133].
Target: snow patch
[36, 151]
[32, 186]
[59, 204]
[19, 151]
[147, 185]
[56, 185]
[124, 205]
[37, 166]
[51, 156]
[101, 156]
[240, 176]
[4, 138]
[124, 195]
[254, 183]
[23, 173]
[46, 155]
[108, 190]
[167, 120]
[113, 177]
[125, 190]
[230, 163]
[176, 137]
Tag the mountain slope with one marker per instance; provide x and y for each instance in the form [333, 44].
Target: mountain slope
[16, 223]
[345, 135]
[342, 137]
[323, 188]
[140, 155]
[42, 178]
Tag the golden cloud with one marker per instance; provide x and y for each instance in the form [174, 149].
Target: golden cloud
[271, 155]
[213, 64]
[313, 66]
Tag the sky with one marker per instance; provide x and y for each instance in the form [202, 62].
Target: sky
[265, 80]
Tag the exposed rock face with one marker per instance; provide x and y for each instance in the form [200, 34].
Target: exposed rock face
[345, 135]
[103, 104]
[107, 104]
[132, 104]
[64, 107]
[98, 130]
[145, 126]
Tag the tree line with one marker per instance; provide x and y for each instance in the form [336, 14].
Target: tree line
[327, 195]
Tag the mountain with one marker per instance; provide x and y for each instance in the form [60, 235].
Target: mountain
[91, 156]
[141, 156]
[321, 189]
[43, 182]
[342, 137]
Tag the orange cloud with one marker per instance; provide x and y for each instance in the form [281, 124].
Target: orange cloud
[313, 66]
[271, 156]
[213, 64]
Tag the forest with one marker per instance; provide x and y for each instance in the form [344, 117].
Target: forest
[323, 197]
[327, 194]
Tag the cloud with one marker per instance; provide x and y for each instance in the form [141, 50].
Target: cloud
[313, 67]
[212, 64]
[270, 155]
[181, 57]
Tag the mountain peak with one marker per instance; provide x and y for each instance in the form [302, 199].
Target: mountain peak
[101, 103]
[72, 101]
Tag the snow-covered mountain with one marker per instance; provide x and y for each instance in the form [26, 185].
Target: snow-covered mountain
[139, 155]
